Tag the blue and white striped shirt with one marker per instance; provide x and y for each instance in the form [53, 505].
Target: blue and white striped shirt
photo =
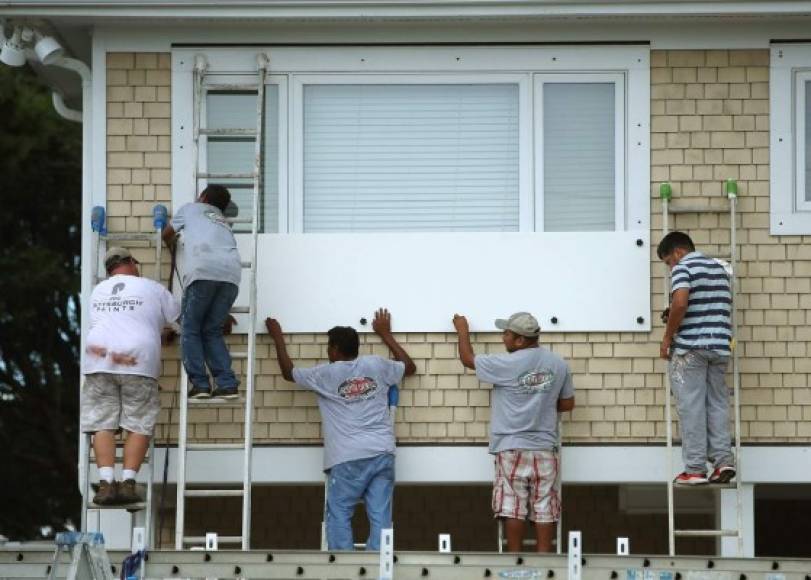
[707, 322]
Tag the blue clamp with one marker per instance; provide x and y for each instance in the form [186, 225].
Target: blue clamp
[97, 215]
[160, 216]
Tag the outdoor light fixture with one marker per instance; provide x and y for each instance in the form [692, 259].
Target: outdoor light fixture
[13, 53]
[47, 49]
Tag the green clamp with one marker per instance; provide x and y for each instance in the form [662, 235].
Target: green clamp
[665, 191]
[731, 188]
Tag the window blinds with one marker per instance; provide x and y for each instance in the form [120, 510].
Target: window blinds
[411, 157]
[578, 157]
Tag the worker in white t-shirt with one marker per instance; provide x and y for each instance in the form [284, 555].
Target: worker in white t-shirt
[121, 365]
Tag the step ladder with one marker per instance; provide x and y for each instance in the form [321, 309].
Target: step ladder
[100, 239]
[200, 136]
[89, 560]
[532, 542]
[731, 192]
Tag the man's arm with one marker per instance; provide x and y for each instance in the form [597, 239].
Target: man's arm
[168, 234]
[275, 330]
[565, 405]
[678, 308]
[382, 327]
[466, 354]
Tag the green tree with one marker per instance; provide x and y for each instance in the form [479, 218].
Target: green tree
[40, 229]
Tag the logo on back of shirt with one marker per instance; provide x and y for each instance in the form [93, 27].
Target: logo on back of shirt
[536, 381]
[116, 302]
[357, 389]
[216, 217]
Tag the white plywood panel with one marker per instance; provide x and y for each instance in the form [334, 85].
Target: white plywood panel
[598, 281]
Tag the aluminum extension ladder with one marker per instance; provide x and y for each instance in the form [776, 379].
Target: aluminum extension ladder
[731, 192]
[532, 542]
[100, 240]
[201, 89]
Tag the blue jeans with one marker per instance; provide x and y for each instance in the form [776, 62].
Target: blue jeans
[206, 303]
[369, 479]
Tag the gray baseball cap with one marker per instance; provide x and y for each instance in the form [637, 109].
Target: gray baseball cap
[521, 323]
[115, 256]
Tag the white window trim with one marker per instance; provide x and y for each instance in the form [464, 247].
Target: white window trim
[422, 64]
[790, 214]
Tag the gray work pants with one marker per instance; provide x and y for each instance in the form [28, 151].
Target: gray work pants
[697, 382]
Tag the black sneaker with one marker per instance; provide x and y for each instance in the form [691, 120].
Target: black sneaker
[199, 392]
[226, 393]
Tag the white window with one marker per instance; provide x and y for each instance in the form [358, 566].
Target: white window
[429, 179]
[235, 154]
[790, 135]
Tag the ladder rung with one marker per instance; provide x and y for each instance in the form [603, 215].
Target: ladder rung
[726, 257]
[705, 533]
[213, 446]
[226, 175]
[130, 507]
[237, 220]
[231, 87]
[229, 132]
[687, 208]
[217, 402]
[239, 355]
[240, 309]
[246, 264]
[124, 237]
[214, 493]
[709, 486]
[220, 539]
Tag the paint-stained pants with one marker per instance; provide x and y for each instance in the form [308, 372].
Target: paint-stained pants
[697, 381]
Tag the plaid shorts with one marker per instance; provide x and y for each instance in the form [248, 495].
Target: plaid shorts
[111, 401]
[527, 485]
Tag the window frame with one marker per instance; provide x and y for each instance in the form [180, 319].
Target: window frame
[789, 213]
[297, 66]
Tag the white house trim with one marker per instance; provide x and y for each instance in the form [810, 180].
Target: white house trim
[790, 214]
[470, 464]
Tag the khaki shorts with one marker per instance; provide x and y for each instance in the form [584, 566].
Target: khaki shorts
[110, 402]
[527, 485]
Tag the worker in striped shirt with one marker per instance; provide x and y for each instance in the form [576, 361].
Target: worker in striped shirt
[696, 343]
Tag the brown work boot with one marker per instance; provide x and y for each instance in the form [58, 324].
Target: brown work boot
[128, 492]
[106, 494]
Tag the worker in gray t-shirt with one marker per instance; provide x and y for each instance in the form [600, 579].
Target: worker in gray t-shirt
[531, 385]
[358, 434]
[211, 275]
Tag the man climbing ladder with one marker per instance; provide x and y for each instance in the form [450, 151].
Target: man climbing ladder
[211, 276]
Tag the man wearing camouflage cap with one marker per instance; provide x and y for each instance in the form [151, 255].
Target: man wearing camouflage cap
[121, 365]
[531, 385]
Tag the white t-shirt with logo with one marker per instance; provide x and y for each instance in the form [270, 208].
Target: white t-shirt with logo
[209, 247]
[527, 384]
[353, 399]
[127, 315]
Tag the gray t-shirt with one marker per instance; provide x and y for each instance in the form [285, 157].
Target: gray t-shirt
[209, 247]
[527, 384]
[353, 399]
